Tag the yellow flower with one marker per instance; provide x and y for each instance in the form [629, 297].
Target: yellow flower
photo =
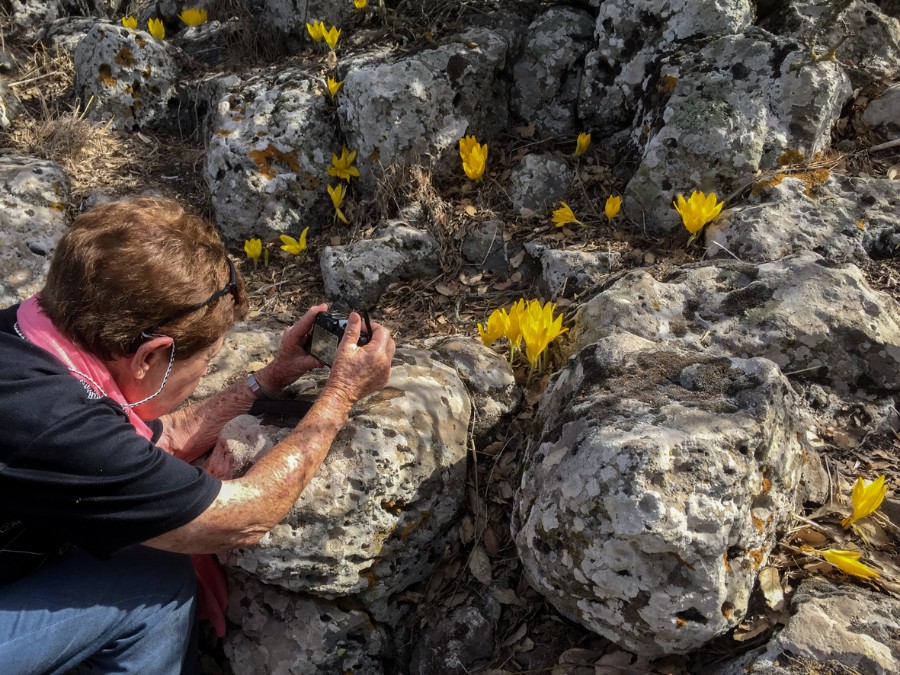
[539, 329]
[613, 204]
[253, 249]
[697, 210]
[581, 145]
[316, 30]
[129, 22]
[331, 36]
[337, 195]
[342, 167]
[866, 498]
[193, 17]
[333, 86]
[294, 246]
[360, 4]
[514, 330]
[156, 28]
[496, 327]
[474, 157]
[563, 216]
[848, 562]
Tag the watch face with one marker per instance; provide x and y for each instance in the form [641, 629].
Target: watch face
[323, 345]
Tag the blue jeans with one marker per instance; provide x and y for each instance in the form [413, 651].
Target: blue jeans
[133, 613]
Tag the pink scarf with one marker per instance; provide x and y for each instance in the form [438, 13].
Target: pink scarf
[38, 329]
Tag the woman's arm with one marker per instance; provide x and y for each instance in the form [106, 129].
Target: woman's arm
[191, 431]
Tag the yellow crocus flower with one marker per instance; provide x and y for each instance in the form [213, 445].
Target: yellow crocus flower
[333, 86]
[495, 328]
[193, 17]
[581, 145]
[294, 246]
[130, 22]
[564, 215]
[474, 157]
[342, 167]
[337, 195]
[316, 30]
[253, 249]
[156, 28]
[360, 4]
[331, 36]
[866, 498]
[613, 204]
[697, 210]
[848, 562]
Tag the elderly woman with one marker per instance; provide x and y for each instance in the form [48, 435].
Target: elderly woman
[98, 503]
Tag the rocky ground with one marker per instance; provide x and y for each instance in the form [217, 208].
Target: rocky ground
[478, 611]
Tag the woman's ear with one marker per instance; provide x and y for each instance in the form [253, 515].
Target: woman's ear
[150, 353]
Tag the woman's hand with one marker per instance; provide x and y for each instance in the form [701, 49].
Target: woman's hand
[292, 359]
[359, 371]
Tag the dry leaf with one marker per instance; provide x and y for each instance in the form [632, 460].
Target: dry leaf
[493, 448]
[516, 635]
[526, 646]
[760, 627]
[770, 584]
[810, 537]
[517, 259]
[336, 240]
[480, 565]
[525, 132]
[470, 278]
[491, 543]
[893, 171]
[445, 289]
[506, 596]
[466, 529]
[471, 210]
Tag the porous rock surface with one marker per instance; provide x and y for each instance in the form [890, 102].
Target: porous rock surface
[546, 76]
[282, 632]
[357, 274]
[34, 194]
[723, 112]
[459, 641]
[567, 272]
[846, 219]
[839, 623]
[631, 36]
[130, 75]
[539, 181]
[883, 114]
[375, 517]
[270, 145]
[814, 318]
[653, 489]
[417, 108]
[290, 16]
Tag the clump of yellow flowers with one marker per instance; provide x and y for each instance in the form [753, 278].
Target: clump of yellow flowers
[865, 499]
[696, 211]
[156, 28]
[193, 17]
[474, 157]
[530, 322]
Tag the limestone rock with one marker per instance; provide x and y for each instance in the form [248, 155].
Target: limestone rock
[269, 148]
[653, 490]
[569, 272]
[725, 111]
[845, 624]
[488, 377]
[287, 16]
[631, 38]
[64, 34]
[883, 114]
[207, 43]
[34, 194]
[418, 108]
[455, 645]
[247, 347]
[538, 182]
[842, 218]
[242, 442]
[130, 75]
[485, 247]
[814, 318]
[377, 514]
[30, 15]
[284, 632]
[357, 274]
[547, 75]
[10, 106]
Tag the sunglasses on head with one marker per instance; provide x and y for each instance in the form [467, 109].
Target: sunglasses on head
[230, 287]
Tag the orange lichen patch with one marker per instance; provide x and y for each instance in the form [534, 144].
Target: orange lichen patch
[125, 58]
[413, 525]
[223, 132]
[756, 557]
[860, 225]
[668, 84]
[725, 559]
[679, 622]
[141, 42]
[812, 178]
[788, 157]
[766, 486]
[727, 609]
[370, 577]
[758, 523]
[58, 206]
[265, 159]
[104, 74]
[375, 155]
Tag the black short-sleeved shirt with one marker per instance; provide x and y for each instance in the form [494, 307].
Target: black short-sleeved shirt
[73, 471]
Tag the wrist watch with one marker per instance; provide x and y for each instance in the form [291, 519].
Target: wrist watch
[255, 387]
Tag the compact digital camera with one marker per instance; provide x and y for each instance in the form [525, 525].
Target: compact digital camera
[328, 331]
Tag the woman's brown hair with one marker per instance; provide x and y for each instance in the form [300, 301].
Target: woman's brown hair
[129, 265]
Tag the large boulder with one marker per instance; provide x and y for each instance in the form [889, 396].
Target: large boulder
[547, 75]
[842, 218]
[270, 147]
[725, 111]
[34, 194]
[129, 75]
[653, 489]
[632, 36]
[538, 182]
[417, 109]
[377, 514]
[816, 319]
